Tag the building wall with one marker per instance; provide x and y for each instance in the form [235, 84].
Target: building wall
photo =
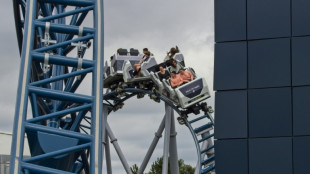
[4, 164]
[5, 144]
[262, 83]
[5, 151]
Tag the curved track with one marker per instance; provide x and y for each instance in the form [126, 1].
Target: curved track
[201, 133]
[48, 33]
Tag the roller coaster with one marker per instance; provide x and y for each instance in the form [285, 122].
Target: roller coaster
[61, 45]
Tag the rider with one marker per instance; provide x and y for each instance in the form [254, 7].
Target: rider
[163, 74]
[144, 51]
[175, 66]
[186, 75]
[175, 80]
[170, 54]
[137, 67]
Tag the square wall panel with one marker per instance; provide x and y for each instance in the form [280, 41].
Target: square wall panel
[230, 66]
[301, 155]
[300, 17]
[301, 101]
[230, 20]
[231, 114]
[300, 61]
[231, 156]
[269, 63]
[268, 19]
[270, 112]
[270, 156]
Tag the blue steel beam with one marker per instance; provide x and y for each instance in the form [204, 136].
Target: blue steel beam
[79, 3]
[62, 28]
[60, 95]
[18, 23]
[22, 93]
[59, 113]
[62, 60]
[57, 153]
[42, 170]
[65, 43]
[52, 91]
[77, 23]
[96, 150]
[34, 105]
[62, 77]
[69, 13]
[70, 134]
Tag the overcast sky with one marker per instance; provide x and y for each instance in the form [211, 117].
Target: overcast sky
[157, 25]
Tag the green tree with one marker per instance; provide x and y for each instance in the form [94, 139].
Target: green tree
[185, 168]
[134, 169]
[156, 167]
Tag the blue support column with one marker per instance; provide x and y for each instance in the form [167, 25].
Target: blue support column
[64, 130]
[22, 92]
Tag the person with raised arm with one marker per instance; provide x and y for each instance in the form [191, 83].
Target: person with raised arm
[171, 54]
[137, 67]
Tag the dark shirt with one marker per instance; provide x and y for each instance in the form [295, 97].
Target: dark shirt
[163, 76]
[146, 59]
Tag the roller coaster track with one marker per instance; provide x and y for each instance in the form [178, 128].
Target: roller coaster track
[64, 123]
[204, 145]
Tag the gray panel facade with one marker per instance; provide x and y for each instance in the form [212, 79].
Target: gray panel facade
[301, 155]
[301, 100]
[300, 17]
[300, 61]
[234, 155]
[270, 112]
[262, 84]
[269, 63]
[233, 58]
[230, 25]
[268, 19]
[270, 156]
[231, 109]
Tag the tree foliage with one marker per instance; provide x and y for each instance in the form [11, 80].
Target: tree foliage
[134, 169]
[157, 165]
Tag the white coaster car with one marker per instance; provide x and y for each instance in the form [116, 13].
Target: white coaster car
[179, 58]
[114, 73]
[190, 93]
[146, 67]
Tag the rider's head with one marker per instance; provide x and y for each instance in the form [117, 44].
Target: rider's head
[174, 63]
[147, 53]
[173, 51]
[145, 50]
[181, 71]
[173, 74]
[161, 68]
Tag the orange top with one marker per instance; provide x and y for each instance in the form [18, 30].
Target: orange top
[177, 81]
[187, 76]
